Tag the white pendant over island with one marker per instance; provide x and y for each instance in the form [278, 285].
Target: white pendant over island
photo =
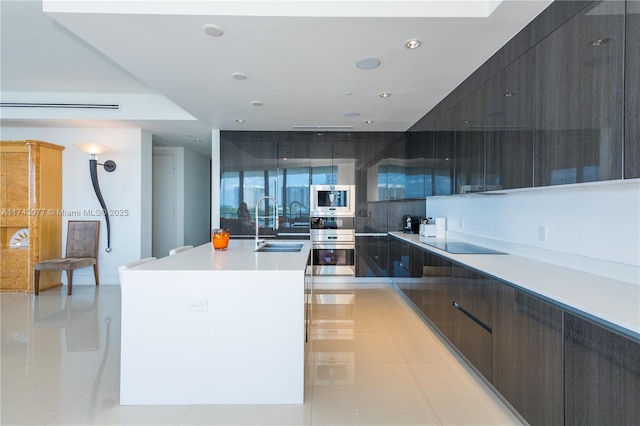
[214, 327]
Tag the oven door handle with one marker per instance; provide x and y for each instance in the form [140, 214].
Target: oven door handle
[337, 246]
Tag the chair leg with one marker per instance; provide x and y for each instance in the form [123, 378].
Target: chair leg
[69, 281]
[95, 273]
[36, 282]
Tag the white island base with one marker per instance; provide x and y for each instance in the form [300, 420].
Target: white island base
[207, 327]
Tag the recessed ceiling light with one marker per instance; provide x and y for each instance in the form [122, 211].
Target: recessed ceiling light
[384, 94]
[239, 120]
[351, 114]
[239, 75]
[412, 44]
[213, 30]
[509, 94]
[257, 103]
[369, 121]
[368, 63]
[466, 121]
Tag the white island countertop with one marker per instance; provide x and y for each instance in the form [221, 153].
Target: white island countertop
[609, 302]
[214, 327]
[239, 256]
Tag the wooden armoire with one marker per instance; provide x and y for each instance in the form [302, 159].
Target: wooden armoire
[30, 212]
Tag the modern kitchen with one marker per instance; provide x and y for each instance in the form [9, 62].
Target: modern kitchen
[502, 222]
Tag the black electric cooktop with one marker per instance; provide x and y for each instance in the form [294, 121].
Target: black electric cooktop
[461, 248]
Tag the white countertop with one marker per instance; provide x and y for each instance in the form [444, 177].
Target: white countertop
[607, 301]
[239, 256]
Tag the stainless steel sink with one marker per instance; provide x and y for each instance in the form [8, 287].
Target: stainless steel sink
[281, 247]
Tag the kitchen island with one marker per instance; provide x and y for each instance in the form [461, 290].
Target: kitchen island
[214, 327]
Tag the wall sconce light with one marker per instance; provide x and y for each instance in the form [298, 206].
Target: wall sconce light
[94, 149]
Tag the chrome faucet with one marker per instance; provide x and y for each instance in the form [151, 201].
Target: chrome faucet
[275, 217]
[291, 209]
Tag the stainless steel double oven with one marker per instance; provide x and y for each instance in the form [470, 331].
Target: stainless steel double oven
[333, 245]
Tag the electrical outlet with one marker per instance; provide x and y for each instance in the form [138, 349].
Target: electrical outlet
[542, 233]
[198, 305]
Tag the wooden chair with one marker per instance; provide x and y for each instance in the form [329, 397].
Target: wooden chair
[82, 251]
[179, 249]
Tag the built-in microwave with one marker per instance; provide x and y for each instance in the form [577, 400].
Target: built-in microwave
[333, 200]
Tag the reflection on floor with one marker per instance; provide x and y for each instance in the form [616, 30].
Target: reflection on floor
[370, 361]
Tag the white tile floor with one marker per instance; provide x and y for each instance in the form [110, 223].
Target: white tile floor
[371, 361]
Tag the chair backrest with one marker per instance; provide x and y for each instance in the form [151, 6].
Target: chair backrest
[179, 249]
[82, 238]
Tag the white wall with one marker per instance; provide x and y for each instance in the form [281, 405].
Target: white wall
[168, 199]
[197, 198]
[189, 194]
[215, 178]
[593, 227]
[146, 202]
[122, 190]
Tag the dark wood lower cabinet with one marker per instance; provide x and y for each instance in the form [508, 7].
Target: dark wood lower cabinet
[431, 290]
[554, 368]
[602, 375]
[473, 341]
[527, 355]
[472, 302]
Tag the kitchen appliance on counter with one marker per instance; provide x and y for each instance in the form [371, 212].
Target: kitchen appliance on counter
[410, 224]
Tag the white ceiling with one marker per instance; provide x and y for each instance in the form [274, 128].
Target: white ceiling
[169, 77]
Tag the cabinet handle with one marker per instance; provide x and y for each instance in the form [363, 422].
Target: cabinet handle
[470, 315]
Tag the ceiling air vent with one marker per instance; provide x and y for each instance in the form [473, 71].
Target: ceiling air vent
[52, 105]
[321, 127]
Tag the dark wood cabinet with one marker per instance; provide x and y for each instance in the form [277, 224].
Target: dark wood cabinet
[579, 98]
[472, 300]
[442, 162]
[467, 120]
[372, 257]
[553, 367]
[632, 91]
[401, 263]
[431, 289]
[371, 155]
[293, 181]
[509, 126]
[601, 375]
[528, 355]
[405, 169]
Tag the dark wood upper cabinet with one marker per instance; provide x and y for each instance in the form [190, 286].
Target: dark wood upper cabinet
[417, 182]
[509, 126]
[579, 98]
[632, 92]
[468, 121]
[442, 162]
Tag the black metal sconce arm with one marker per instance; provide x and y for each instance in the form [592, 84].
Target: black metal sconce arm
[93, 170]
